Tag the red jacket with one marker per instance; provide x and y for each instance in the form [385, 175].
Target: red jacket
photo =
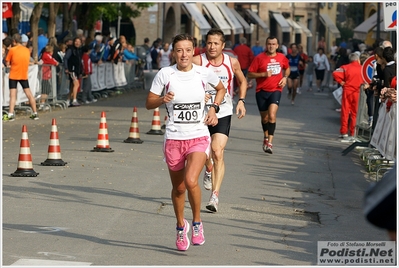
[351, 75]
[46, 69]
[245, 55]
[87, 66]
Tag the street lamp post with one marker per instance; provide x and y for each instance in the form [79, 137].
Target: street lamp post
[119, 20]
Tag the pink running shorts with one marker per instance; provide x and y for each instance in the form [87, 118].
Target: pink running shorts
[176, 151]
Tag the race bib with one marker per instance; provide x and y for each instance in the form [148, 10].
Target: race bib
[276, 69]
[212, 99]
[187, 113]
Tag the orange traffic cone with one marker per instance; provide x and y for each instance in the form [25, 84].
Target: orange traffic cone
[102, 138]
[164, 125]
[134, 135]
[25, 168]
[54, 149]
[156, 124]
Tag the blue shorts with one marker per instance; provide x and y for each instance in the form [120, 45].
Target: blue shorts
[265, 98]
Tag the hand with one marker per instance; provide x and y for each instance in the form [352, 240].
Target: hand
[211, 118]
[207, 97]
[240, 109]
[283, 82]
[168, 97]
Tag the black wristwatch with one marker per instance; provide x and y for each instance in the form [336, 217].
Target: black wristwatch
[217, 108]
[243, 100]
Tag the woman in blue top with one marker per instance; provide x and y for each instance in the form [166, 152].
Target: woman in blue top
[295, 61]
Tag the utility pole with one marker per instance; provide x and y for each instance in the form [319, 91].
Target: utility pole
[378, 21]
[119, 20]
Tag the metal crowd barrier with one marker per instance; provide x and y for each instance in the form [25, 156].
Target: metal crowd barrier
[22, 101]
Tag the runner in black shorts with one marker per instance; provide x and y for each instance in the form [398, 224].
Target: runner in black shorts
[265, 98]
[271, 70]
[222, 127]
[293, 79]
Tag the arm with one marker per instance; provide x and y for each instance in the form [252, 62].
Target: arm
[211, 118]
[327, 63]
[242, 81]
[154, 98]
[338, 76]
[283, 80]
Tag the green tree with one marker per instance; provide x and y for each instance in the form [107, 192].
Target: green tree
[89, 13]
[355, 14]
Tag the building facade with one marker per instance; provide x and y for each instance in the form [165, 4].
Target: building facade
[302, 22]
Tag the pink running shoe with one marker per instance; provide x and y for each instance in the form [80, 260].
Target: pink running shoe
[197, 237]
[182, 241]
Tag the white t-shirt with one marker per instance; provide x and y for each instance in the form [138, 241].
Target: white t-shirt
[165, 58]
[226, 75]
[186, 112]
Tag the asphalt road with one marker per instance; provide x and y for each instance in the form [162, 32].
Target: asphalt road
[114, 208]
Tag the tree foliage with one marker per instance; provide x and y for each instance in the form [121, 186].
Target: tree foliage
[89, 13]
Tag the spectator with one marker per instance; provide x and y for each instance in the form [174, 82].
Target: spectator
[257, 49]
[245, 57]
[73, 67]
[389, 71]
[333, 50]
[24, 39]
[164, 56]
[87, 96]
[47, 60]
[42, 41]
[18, 60]
[349, 77]
[146, 44]
[310, 67]
[154, 55]
[341, 58]
[321, 43]
[322, 64]
[343, 44]
[128, 53]
[97, 49]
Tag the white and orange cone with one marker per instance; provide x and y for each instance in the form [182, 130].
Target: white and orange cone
[54, 149]
[156, 124]
[25, 168]
[102, 138]
[134, 134]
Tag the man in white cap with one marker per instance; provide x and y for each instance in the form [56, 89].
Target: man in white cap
[24, 39]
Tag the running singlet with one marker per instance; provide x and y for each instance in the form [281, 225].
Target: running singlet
[186, 112]
[294, 62]
[276, 64]
[226, 75]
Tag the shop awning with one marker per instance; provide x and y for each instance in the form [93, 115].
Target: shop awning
[383, 33]
[285, 27]
[256, 20]
[244, 23]
[305, 29]
[361, 31]
[326, 20]
[297, 29]
[196, 15]
[217, 17]
[231, 18]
